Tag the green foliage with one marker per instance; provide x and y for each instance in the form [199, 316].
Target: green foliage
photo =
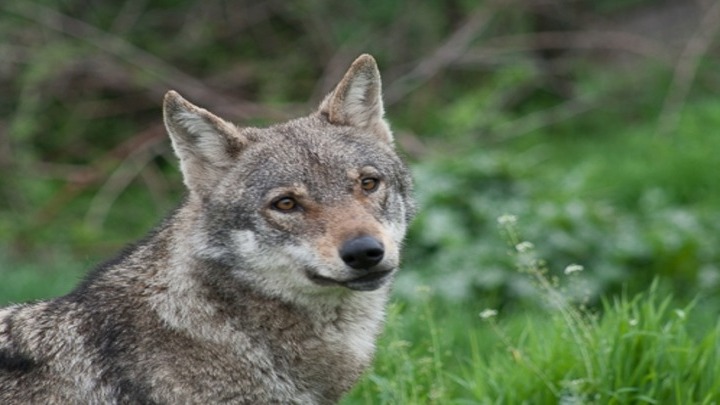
[640, 350]
[626, 208]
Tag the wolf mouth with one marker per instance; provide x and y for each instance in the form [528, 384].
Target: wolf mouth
[368, 282]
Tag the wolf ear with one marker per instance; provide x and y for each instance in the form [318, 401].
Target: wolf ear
[357, 99]
[206, 144]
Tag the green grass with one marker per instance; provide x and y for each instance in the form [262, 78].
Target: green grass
[641, 350]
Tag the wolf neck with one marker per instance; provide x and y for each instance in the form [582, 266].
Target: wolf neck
[202, 298]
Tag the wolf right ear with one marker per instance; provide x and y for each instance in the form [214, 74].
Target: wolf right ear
[357, 99]
[206, 144]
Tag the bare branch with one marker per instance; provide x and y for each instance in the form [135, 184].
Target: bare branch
[686, 69]
[594, 40]
[544, 118]
[115, 184]
[165, 73]
[449, 51]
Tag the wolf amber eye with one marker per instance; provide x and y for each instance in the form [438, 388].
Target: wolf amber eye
[285, 204]
[369, 183]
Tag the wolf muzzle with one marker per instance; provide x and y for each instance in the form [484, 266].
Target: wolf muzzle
[364, 255]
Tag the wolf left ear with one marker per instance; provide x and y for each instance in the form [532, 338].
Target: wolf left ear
[206, 144]
[357, 99]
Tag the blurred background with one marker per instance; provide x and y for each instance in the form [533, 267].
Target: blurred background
[595, 123]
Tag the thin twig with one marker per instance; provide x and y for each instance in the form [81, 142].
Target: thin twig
[686, 69]
[162, 71]
[540, 119]
[449, 51]
[98, 170]
[610, 40]
[156, 184]
[115, 184]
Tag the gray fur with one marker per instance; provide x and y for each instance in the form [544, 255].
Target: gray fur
[233, 299]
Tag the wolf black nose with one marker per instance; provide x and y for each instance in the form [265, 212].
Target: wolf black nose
[362, 252]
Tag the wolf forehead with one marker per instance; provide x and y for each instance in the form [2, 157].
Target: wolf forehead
[315, 155]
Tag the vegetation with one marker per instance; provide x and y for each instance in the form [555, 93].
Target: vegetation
[581, 121]
[640, 350]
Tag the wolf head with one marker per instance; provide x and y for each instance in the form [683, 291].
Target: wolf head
[319, 203]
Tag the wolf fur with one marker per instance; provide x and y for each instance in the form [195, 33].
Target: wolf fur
[266, 285]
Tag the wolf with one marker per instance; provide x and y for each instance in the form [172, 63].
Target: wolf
[268, 284]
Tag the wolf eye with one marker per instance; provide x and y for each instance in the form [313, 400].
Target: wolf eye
[285, 204]
[369, 184]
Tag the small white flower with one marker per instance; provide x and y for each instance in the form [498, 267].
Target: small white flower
[633, 322]
[488, 313]
[574, 268]
[507, 219]
[523, 247]
[680, 313]
[423, 289]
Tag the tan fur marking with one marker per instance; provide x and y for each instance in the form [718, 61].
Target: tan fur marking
[345, 222]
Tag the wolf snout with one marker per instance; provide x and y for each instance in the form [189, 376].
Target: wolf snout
[362, 252]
